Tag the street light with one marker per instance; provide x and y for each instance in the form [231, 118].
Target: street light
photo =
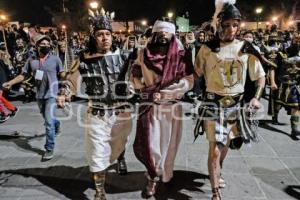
[144, 23]
[3, 17]
[94, 5]
[170, 15]
[258, 11]
[291, 23]
[274, 19]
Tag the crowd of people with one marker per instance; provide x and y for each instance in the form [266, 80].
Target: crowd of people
[228, 69]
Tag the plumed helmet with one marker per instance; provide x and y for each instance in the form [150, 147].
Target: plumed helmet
[225, 9]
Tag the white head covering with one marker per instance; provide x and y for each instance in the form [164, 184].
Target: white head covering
[126, 44]
[162, 26]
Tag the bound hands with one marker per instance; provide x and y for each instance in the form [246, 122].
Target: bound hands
[172, 92]
[254, 104]
[274, 86]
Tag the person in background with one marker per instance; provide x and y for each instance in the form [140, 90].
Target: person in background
[47, 70]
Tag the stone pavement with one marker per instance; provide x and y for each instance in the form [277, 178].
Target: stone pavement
[269, 170]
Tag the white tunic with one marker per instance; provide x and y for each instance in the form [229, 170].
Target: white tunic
[105, 139]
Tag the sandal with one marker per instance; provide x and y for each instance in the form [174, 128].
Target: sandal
[99, 180]
[150, 189]
[216, 194]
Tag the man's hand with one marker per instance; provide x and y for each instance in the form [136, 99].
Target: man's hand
[255, 104]
[7, 85]
[156, 97]
[168, 95]
[274, 86]
[60, 100]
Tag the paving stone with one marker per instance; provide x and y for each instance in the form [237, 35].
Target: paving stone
[268, 170]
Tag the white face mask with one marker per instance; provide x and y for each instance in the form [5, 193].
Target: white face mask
[248, 39]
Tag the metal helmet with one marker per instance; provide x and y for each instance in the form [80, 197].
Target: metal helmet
[225, 10]
[229, 11]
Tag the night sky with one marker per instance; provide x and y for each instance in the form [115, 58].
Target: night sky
[37, 11]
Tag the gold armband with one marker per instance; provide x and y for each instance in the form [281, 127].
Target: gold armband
[259, 92]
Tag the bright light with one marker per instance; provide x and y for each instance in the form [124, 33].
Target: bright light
[259, 23]
[258, 10]
[129, 30]
[144, 23]
[267, 23]
[94, 5]
[274, 19]
[170, 14]
[3, 17]
[291, 23]
[243, 25]
[63, 27]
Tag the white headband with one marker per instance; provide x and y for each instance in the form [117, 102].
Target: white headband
[162, 26]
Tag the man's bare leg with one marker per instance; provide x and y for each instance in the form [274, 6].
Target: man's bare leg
[214, 168]
[222, 183]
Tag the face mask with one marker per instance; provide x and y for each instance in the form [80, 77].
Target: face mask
[249, 39]
[44, 50]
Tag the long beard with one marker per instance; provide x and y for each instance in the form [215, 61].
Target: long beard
[161, 42]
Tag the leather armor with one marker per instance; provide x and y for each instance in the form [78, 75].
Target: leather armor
[289, 73]
[101, 75]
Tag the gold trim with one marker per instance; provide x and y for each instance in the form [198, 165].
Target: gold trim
[287, 104]
[227, 101]
[259, 92]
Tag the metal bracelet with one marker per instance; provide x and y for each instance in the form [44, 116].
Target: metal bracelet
[259, 92]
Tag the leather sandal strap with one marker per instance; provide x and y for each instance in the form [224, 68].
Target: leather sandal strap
[216, 193]
[155, 179]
